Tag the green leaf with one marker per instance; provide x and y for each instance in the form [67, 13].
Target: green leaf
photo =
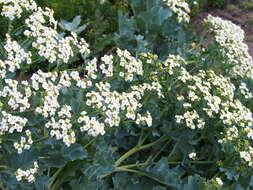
[74, 152]
[76, 21]
[251, 183]
[160, 15]
[126, 26]
[194, 183]
[72, 26]
[24, 160]
[231, 173]
[102, 162]
[125, 181]
[80, 29]
[159, 188]
[96, 170]
[88, 184]
[56, 161]
[41, 182]
[164, 174]
[153, 3]
[238, 187]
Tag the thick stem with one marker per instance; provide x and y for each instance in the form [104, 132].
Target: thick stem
[170, 163]
[138, 148]
[127, 167]
[146, 175]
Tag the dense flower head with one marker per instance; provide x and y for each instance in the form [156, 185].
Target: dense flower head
[48, 41]
[180, 8]
[11, 123]
[233, 50]
[14, 8]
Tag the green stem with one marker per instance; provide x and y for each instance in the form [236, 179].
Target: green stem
[5, 139]
[193, 162]
[173, 150]
[50, 185]
[41, 139]
[146, 175]
[138, 148]
[4, 167]
[18, 112]
[140, 138]
[133, 165]
[10, 27]
[160, 150]
[172, 163]
[127, 167]
[90, 142]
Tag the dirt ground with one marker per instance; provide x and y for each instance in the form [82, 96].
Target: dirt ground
[234, 12]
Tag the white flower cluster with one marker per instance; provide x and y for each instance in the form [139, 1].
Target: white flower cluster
[113, 104]
[200, 89]
[230, 38]
[172, 64]
[205, 96]
[248, 156]
[191, 120]
[61, 128]
[130, 64]
[180, 8]
[231, 134]
[144, 120]
[107, 67]
[245, 91]
[50, 44]
[11, 123]
[27, 175]
[25, 142]
[42, 29]
[91, 69]
[45, 81]
[236, 113]
[16, 98]
[15, 56]
[91, 125]
[14, 8]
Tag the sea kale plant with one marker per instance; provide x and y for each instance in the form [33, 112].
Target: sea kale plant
[121, 121]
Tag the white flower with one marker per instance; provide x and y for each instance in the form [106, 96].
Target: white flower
[192, 155]
[219, 181]
[27, 175]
